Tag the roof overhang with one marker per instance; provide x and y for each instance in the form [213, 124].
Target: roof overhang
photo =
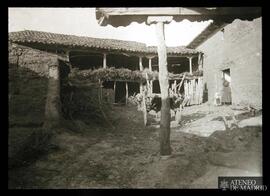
[124, 16]
[210, 30]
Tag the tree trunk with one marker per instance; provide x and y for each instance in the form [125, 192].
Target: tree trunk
[165, 148]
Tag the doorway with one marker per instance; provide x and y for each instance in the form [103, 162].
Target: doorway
[226, 97]
[120, 92]
[226, 75]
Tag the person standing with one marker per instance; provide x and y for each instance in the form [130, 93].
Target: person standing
[226, 97]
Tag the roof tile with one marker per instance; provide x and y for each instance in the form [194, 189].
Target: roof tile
[89, 42]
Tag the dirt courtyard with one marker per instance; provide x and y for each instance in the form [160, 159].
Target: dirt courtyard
[128, 156]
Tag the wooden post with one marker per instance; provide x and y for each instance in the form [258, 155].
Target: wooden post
[144, 109]
[104, 60]
[143, 95]
[141, 69]
[126, 93]
[150, 69]
[202, 60]
[174, 87]
[190, 64]
[140, 64]
[165, 119]
[101, 93]
[199, 61]
[150, 64]
[114, 87]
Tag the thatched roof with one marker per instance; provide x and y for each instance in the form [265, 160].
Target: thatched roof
[72, 42]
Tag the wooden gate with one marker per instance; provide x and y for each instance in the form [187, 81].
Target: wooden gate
[194, 91]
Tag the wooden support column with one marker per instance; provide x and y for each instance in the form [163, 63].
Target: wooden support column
[141, 69]
[104, 60]
[199, 61]
[140, 64]
[165, 147]
[126, 93]
[190, 64]
[150, 64]
[202, 60]
[150, 69]
[114, 88]
[142, 92]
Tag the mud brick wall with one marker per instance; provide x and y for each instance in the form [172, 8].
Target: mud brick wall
[239, 48]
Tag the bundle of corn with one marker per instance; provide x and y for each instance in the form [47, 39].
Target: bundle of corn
[122, 74]
[108, 74]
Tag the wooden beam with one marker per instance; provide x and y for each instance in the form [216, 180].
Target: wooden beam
[178, 11]
[148, 11]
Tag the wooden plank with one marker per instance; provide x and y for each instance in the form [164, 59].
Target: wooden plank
[180, 85]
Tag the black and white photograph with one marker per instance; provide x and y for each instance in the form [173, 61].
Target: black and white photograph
[135, 98]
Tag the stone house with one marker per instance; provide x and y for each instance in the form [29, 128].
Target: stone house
[234, 52]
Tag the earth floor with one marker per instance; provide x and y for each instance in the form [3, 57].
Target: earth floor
[128, 155]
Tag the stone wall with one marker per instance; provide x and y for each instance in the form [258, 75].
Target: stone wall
[29, 77]
[238, 48]
[28, 83]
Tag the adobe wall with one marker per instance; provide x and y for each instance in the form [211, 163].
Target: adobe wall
[240, 49]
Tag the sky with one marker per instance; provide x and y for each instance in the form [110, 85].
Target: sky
[82, 22]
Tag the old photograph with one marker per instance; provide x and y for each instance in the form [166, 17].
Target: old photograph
[135, 97]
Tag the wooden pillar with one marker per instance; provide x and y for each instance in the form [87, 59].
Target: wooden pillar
[190, 64]
[141, 69]
[200, 61]
[165, 119]
[165, 148]
[104, 60]
[140, 64]
[150, 69]
[114, 87]
[126, 93]
[144, 110]
[150, 64]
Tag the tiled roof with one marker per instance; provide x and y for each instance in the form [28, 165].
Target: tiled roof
[72, 41]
